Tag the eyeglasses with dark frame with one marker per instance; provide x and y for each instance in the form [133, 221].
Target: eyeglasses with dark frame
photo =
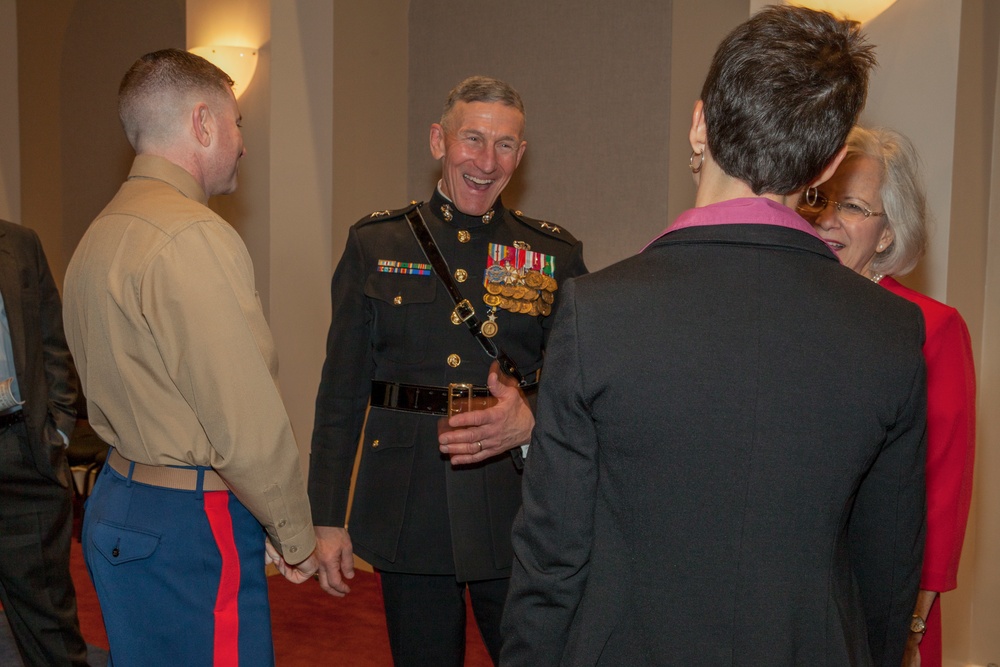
[847, 210]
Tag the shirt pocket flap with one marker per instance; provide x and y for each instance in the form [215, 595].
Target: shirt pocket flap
[401, 289]
[120, 544]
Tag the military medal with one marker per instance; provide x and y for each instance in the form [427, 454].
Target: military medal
[519, 280]
[489, 327]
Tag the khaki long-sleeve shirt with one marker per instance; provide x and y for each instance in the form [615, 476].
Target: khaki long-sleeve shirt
[175, 355]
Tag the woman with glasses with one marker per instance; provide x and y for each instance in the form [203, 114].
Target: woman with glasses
[873, 214]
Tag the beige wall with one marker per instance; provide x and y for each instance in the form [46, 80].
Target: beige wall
[370, 103]
[10, 140]
[972, 288]
[914, 91]
[71, 57]
[693, 43]
[301, 174]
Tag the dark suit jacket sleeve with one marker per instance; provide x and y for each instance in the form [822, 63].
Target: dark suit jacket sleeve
[60, 375]
[554, 530]
[344, 389]
[890, 510]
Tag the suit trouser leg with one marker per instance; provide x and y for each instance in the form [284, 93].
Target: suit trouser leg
[488, 598]
[425, 616]
[36, 589]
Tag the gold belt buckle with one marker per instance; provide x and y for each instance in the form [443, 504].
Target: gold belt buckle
[459, 398]
[462, 398]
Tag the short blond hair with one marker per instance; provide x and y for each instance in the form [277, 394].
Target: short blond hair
[159, 80]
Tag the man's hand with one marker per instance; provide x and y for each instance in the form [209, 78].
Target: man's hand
[336, 559]
[470, 437]
[297, 573]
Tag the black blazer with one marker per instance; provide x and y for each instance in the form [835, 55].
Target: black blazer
[728, 463]
[41, 358]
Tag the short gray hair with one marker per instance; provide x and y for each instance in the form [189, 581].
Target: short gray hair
[482, 89]
[903, 198]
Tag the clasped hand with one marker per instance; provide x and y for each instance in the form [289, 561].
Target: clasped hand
[331, 562]
[294, 573]
[470, 437]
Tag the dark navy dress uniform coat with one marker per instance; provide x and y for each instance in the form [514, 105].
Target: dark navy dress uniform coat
[412, 511]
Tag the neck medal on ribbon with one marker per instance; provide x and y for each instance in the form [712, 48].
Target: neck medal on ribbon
[519, 281]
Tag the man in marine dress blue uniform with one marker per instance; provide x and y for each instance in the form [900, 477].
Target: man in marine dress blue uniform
[432, 512]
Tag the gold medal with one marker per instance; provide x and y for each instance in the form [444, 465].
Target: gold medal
[489, 328]
[534, 279]
[523, 307]
[544, 308]
[493, 288]
[547, 297]
[507, 290]
[520, 291]
[534, 309]
[491, 299]
[531, 295]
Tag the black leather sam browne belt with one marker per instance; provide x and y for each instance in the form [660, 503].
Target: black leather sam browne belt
[437, 401]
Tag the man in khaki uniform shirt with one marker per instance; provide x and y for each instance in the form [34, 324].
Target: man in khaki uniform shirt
[179, 371]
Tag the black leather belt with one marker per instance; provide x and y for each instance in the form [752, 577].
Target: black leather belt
[439, 401]
[11, 418]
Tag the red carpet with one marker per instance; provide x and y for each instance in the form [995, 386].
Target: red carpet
[310, 627]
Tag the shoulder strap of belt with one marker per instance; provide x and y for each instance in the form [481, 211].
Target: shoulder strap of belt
[463, 309]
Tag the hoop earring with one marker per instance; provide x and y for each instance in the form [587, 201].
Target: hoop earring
[812, 195]
[694, 169]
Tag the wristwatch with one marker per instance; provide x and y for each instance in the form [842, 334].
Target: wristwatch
[918, 625]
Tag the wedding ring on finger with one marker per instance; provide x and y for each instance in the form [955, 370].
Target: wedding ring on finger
[479, 444]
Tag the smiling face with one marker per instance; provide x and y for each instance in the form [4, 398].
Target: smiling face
[480, 146]
[855, 239]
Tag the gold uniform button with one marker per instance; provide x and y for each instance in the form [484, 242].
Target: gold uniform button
[461, 275]
[375, 442]
[464, 236]
[398, 300]
[454, 360]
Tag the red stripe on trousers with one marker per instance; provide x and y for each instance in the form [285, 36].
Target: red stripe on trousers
[226, 645]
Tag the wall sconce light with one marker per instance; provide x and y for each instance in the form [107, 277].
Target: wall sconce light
[858, 10]
[239, 62]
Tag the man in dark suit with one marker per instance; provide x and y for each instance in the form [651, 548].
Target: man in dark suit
[36, 516]
[433, 514]
[727, 467]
